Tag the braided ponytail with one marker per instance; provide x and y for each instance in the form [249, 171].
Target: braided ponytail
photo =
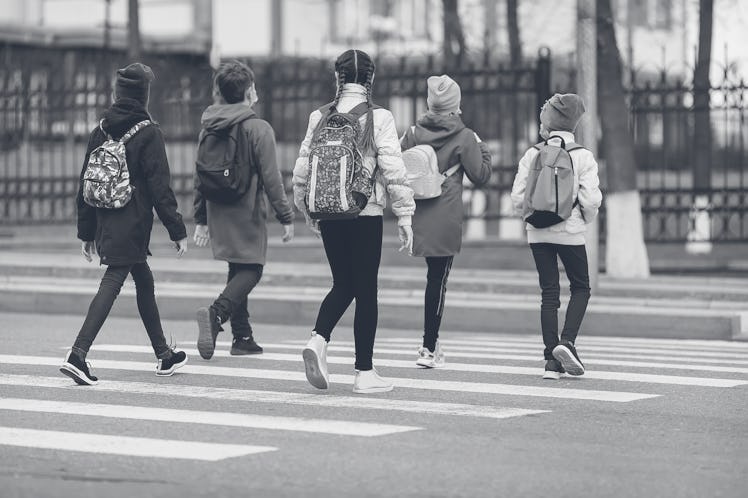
[340, 77]
[366, 142]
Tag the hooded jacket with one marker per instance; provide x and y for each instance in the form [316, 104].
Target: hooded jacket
[437, 223]
[238, 232]
[122, 235]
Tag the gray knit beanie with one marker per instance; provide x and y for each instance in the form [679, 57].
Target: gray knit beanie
[443, 94]
[562, 112]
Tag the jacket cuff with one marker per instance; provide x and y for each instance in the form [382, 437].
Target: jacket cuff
[405, 221]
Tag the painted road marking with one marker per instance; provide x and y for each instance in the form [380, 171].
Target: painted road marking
[125, 445]
[299, 376]
[257, 396]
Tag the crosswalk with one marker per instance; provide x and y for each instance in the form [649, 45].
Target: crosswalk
[487, 377]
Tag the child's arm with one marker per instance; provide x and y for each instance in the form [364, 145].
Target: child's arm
[86, 213]
[590, 197]
[301, 168]
[263, 143]
[390, 162]
[475, 159]
[520, 181]
[200, 209]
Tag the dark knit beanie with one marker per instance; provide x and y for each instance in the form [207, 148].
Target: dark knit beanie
[133, 82]
[562, 112]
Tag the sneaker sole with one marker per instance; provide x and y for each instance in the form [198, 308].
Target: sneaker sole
[206, 342]
[313, 370]
[79, 377]
[241, 352]
[571, 365]
[373, 390]
[170, 372]
[550, 375]
[429, 364]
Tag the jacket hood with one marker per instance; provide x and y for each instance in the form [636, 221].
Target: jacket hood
[222, 116]
[437, 129]
[123, 115]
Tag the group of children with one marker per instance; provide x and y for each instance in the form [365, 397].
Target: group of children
[237, 161]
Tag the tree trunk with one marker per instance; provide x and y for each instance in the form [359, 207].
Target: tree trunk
[515, 45]
[626, 254]
[133, 31]
[702, 128]
[454, 38]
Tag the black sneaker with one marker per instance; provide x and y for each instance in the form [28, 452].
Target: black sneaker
[167, 366]
[209, 326]
[78, 370]
[245, 345]
[553, 370]
[566, 353]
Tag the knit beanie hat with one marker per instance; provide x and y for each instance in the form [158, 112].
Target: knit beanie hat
[562, 112]
[133, 82]
[444, 94]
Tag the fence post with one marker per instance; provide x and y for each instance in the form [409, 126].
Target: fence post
[543, 77]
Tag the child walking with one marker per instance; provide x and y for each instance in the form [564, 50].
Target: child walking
[563, 240]
[353, 246]
[121, 234]
[437, 222]
[233, 218]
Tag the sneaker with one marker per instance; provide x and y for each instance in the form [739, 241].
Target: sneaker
[166, 367]
[208, 325]
[553, 370]
[78, 370]
[245, 345]
[566, 353]
[315, 362]
[427, 359]
[369, 381]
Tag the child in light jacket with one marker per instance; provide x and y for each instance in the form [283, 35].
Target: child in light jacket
[565, 240]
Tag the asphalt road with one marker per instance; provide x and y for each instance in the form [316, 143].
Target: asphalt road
[652, 418]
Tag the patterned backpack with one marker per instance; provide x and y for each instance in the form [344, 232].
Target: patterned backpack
[106, 181]
[339, 186]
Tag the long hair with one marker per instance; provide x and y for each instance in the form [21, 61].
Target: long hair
[354, 66]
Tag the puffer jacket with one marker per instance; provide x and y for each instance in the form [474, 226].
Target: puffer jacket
[586, 190]
[391, 177]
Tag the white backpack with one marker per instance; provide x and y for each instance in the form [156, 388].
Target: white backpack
[422, 168]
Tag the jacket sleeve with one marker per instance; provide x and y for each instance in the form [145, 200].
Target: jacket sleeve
[86, 213]
[301, 168]
[158, 178]
[520, 181]
[199, 206]
[263, 143]
[589, 195]
[475, 159]
[390, 162]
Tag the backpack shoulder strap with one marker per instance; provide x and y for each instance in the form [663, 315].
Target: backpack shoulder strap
[127, 136]
[573, 146]
[361, 109]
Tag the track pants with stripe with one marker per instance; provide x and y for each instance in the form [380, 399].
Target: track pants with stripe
[436, 290]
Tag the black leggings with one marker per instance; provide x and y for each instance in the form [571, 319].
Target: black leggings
[101, 305]
[574, 259]
[232, 303]
[353, 249]
[436, 289]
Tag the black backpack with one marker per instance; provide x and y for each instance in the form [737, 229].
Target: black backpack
[222, 166]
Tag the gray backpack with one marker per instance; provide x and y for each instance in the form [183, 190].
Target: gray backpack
[549, 195]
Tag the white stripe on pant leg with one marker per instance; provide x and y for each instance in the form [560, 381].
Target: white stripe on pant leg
[124, 445]
[440, 308]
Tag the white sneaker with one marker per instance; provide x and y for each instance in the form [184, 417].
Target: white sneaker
[427, 359]
[315, 362]
[369, 381]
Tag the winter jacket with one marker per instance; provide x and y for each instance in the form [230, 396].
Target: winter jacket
[586, 190]
[122, 235]
[390, 177]
[238, 232]
[437, 223]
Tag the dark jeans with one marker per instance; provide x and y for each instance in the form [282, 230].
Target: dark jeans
[436, 289]
[232, 303]
[354, 249]
[574, 259]
[101, 305]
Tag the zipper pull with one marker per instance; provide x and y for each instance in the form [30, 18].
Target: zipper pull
[555, 171]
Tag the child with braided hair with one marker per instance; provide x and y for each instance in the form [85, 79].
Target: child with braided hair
[354, 246]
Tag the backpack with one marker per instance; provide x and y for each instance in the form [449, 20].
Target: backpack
[106, 181]
[423, 171]
[221, 165]
[339, 186]
[549, 195]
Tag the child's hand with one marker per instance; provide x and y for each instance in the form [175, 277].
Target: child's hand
[405, 234]
[313, 226]
[202, 236]
[287, 233]
[88, 249]
[181, 247]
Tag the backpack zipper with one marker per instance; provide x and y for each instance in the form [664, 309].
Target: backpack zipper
[555, 172]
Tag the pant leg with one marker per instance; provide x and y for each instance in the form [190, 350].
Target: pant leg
[148, 309]
[336, 238]
[574, 259]
[101, 305]
[367, 254]
[436, 289]
[546, 262]
[232, 303]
